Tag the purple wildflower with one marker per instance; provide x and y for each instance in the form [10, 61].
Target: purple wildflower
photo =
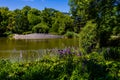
[60, 52]
[68, 51]
[64, 51]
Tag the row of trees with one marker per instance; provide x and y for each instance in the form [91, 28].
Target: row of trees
[105, 14]
[98, 21]
[33, 20]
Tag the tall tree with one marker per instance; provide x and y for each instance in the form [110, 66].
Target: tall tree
[25, 10]
[21, 22]
[80, 12]
[105, 14]
[34, 17]
[4, 20]
[47, 15]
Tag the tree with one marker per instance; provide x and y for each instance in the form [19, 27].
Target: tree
[21, 22]
[25, 10]
[80, 12]
[3, 20]
[34, 17]
[104, 12]
[11, 23]
[57, 22]
[107, 21]
[47, 15]
[40, 28]
[88, 37]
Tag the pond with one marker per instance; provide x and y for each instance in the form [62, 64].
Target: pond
[32, 49]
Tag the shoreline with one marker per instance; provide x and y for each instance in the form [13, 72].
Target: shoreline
[36, 36]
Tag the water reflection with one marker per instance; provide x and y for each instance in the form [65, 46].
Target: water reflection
[24, 50]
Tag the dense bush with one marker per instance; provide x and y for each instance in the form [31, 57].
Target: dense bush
[40, 28]
[67, 65]
[88, 37]
[114, 41]
[71, 35]
[112, 53]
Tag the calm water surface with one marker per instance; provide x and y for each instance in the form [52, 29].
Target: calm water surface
[29, 49]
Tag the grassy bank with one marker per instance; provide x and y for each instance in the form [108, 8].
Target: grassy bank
[66, 65]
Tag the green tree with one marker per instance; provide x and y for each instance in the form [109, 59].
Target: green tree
[58, 25]
[107, 21]
[25, 10]
[61, 23]
[80, 12]
[40, 28]
[47, 15]
[21, 22]
[88, 37]
[34, 17]
[104, 12]
[11, 23]
[3, 20]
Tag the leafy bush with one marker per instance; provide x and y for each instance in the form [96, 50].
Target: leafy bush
[66, 65]
[114, 41]
[40, 28]
[28, 32]
[112, 53]
[88, 36]
[116, 30]
[71, 35]
[7, 33]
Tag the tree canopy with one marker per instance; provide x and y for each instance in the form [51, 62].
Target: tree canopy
[105, 14]
[26, 19]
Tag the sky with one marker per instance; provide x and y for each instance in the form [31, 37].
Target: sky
[61, 5]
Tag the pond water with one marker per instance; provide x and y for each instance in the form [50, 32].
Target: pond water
[32, 49]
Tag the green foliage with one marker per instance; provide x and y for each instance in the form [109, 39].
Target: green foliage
[116, 30]
[112, 53]
[114, 41]
[71, 35]
[24, 20]
[4, 11]
[88, 37]
[28, 32]
[21, 22]
[58, 25]
[40, 28]
[68, 67]
[62, 23]
[105, 13]
[7, 33]
[47, 16]
[34, 17]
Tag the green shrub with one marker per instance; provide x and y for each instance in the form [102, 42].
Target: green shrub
[71, 35]
[88, 36]
[114, 41]
[112, 53]
[7, 33]
[28, 32]
[71, 67]
[40, 28]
